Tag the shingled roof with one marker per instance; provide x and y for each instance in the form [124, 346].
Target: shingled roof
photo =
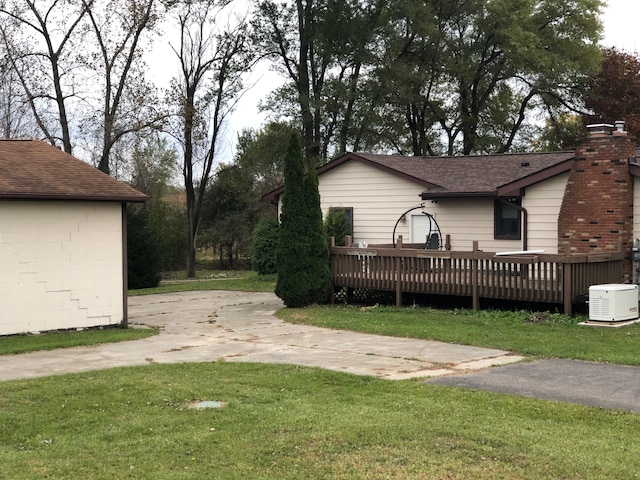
[475, 175]
[464, 176]
[32, 169]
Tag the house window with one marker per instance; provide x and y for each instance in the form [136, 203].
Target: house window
[348, 211]
[507, 220]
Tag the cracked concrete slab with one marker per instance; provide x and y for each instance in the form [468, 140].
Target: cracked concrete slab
[206, 326]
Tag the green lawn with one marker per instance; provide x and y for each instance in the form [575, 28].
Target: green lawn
[559, 337]
[52, 340]
[244, 281]
[287, 422]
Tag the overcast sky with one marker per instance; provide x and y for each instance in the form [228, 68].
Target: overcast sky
[621, 25]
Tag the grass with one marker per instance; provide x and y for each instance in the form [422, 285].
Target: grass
[13, 344]
[245, 281]
[558, 337]
[290, 422]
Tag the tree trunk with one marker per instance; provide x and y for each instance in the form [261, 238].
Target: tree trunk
[191, 253]
[187, 171]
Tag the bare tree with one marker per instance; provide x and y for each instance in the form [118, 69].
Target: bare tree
[15, 119]
[128, 104]
[47, 68]
[212, 60]
[286, 31]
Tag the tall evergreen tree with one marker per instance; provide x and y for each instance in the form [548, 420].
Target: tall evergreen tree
[302, 255]
[319, 272]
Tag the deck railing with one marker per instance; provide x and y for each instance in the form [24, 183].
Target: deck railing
[546, 278]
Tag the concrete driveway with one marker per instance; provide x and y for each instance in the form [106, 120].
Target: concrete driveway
[207, 326]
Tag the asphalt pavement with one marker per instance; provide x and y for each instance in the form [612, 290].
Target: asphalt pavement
[585, 383]
[206, 326]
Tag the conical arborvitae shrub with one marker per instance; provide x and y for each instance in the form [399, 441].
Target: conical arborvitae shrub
[319, 263]
[336, 225]
[302, 255]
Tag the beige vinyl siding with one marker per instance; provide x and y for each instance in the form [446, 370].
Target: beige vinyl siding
[378, 199]
[636, 208]
[466, 220]
[60, 265]
[542, 202]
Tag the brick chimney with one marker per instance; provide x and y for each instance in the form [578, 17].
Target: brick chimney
[597, 209]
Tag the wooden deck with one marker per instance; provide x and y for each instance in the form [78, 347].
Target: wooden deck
[546, 278]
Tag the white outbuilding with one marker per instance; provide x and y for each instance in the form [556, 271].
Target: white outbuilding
[63, 261]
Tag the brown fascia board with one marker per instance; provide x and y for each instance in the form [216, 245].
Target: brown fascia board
[634, 167]
[463, 195]
[274, 195]
[508, 189]
[437, 196]
[73, 198]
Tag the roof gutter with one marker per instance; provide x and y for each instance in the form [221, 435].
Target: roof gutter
[634, 168]
[439, 195]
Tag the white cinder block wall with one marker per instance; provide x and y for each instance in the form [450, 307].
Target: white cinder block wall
[60, 265]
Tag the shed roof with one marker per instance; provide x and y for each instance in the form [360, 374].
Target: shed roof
[32, 169]
[463, 176]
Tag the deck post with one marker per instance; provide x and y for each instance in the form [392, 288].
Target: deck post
[474, 278]
[556, 278]
[332, 298]
[567, 294]
[398, 266]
